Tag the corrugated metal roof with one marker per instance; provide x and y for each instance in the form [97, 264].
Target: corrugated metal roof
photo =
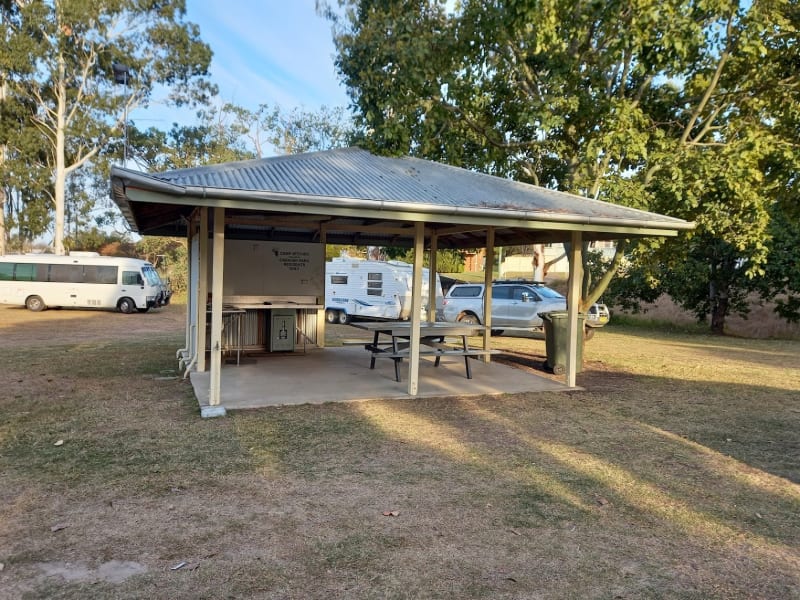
[360, 198]
[352, 173]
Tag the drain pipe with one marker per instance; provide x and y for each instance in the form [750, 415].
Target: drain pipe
[181, 352]
[192, 361]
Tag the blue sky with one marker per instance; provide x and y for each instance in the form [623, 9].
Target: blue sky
[268, 51]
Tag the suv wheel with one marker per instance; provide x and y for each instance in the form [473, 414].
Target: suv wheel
[469, 319]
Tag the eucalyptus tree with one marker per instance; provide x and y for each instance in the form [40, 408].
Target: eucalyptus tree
[24, 179]
[212, 138]
[81, 66]
[229, 132]
[272, 128]
[671, 106]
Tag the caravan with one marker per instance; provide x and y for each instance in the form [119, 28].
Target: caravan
[373, 289]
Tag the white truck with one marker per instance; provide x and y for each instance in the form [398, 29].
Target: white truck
[373, 289]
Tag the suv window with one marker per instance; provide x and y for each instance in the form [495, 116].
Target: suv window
[466, 291]
[546, 292]
[501, 292]
[520, 291]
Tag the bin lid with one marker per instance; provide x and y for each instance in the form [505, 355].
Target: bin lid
[558, 315]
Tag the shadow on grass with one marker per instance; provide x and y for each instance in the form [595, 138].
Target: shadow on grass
[643, 486]
[555, 461]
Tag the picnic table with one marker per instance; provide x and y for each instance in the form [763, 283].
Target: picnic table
[432, 341]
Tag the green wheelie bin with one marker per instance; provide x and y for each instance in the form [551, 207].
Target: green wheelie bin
[556, 340]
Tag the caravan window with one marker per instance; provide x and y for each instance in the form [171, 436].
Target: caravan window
[339, 279]
[375, 284]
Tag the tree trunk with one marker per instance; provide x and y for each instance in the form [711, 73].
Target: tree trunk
[539, 266]
[60, 177]
[2, 190]
[2, 222]
[718, 311]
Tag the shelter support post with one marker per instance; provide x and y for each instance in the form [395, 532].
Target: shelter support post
[191, 303]
[202, 291]
[573, 306]
[432, 268]
[416, 309]
[214, 409]
[323, 239]
[488, 272]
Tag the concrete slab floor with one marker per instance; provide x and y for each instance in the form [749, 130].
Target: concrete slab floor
[342, 374]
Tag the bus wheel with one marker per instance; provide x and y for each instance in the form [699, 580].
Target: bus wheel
[35, 303]
[126, 305]
[331, 316]
[344, 318]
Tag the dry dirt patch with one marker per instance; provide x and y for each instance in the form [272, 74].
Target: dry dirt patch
[19, 326]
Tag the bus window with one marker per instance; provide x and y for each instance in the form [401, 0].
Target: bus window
[25, 272]
[66, 273]
[6, 271]
[100, 274]
[151, 275]
[42, 272]
[132, 278]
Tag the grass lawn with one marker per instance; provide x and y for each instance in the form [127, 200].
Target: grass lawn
[675, 474]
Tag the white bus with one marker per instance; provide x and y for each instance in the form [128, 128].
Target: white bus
[80, 280]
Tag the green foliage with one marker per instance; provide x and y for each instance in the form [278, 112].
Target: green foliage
[61, 104]
[336, 250]
[684, 108]
[447, 261]
[450, 261]
[711, 281]
[781, 279]
[632, 286]
[231, 133]
[104, 242]
[212, 139]
[295, 131]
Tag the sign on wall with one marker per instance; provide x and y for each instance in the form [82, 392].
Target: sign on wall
[273, 269]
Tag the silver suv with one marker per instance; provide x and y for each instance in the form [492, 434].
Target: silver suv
[515, 304]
